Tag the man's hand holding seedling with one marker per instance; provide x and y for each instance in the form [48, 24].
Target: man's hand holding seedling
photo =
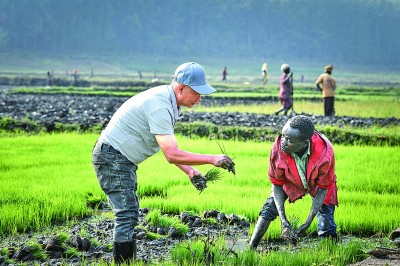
[288, 233]
[199, 182]
[226, 163]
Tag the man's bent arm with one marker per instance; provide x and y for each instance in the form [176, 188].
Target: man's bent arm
[189, 170]
[315, 207]
[279, 198]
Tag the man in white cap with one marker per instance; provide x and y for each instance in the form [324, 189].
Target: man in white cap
[143, 125]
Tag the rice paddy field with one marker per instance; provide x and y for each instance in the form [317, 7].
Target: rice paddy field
[48, 178]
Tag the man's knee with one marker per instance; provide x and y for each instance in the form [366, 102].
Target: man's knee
[269, 211]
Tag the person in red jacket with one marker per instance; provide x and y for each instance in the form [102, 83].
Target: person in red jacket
[301, 162]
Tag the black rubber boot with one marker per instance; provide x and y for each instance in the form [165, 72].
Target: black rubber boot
[259, 231]
[125, 252]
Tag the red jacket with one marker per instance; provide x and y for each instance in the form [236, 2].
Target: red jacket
[320, 170]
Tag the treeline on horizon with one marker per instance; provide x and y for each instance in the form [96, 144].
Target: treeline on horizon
[348, 31]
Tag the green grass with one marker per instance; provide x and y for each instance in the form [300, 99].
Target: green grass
[46, 178]
[213, 252]
[356, 108]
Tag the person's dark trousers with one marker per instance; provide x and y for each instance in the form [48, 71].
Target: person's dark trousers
[117, 178]
[329, 106]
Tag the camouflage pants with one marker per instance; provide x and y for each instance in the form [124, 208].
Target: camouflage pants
[117, 178]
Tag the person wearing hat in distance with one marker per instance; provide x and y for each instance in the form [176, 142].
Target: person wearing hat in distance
[285, 89]
[143, 125]
[301, 162]
[328, 90]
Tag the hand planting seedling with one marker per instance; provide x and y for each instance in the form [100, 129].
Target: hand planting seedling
[226, 162]
[215, 174]
[290, 235]
[199, 182]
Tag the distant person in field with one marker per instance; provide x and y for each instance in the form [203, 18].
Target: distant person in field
[328, 88]
[285, 89]
[224, 74]
[49, 78]
[75, 76]
[264, 72]
[301, 162]
[142, 126]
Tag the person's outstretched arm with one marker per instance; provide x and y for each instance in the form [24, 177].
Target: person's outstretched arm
[184, 160]
[174, 155]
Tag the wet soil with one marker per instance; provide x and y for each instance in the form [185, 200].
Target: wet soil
[88, 111]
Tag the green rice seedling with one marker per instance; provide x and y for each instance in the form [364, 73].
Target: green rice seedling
[83, 232]
[36, 250]
[11, 262]
[153, 236]
[213, 175]
[108, 247]
[199, 252]
[71, 253]
[94, 242]
[62, 237]
[4, 252]
[181, 228]
[294, 221]
[156, 219]
[209, 221]
[323, 252]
